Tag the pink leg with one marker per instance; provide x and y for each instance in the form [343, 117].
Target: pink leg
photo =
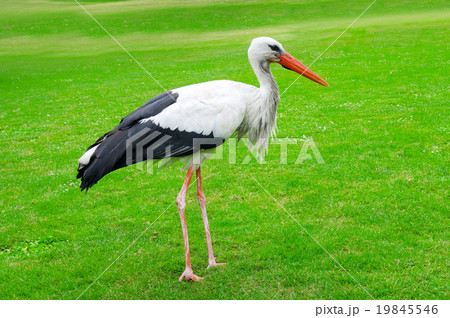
[181, 203]
[202, 202]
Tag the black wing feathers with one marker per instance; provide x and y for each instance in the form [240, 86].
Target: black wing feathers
[151, 108]
[132, 142]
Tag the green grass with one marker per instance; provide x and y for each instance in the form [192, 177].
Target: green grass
[378, 204]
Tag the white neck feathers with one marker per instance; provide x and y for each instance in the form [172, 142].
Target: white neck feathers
[260, 121]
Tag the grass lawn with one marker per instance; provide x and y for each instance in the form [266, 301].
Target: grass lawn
[377, 204]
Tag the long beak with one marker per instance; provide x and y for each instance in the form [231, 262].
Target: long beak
[291, 63]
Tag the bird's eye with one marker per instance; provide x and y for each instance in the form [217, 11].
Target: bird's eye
[275, 48]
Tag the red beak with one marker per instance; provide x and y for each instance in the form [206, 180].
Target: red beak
[291, 63]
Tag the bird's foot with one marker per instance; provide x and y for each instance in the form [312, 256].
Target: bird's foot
[212, 263]
[189, 275]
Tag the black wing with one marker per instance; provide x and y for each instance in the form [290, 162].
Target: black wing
[151, 108]
[133, 141]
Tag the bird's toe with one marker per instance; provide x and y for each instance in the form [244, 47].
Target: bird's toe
[213, 264]
[189, 275]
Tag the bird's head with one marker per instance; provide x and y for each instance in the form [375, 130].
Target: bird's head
[268, 50]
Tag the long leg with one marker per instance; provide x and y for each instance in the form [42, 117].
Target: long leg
[181, 203]
[202, 202]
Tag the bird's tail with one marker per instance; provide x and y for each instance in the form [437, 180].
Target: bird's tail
[107, 154]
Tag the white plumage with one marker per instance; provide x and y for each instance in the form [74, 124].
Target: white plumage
[216, 107]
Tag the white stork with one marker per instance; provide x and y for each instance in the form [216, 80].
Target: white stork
[193, 120]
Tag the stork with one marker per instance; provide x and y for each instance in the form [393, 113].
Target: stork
[187, 123]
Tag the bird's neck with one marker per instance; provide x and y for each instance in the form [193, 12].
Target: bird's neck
[262, 113]
[267, 83]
